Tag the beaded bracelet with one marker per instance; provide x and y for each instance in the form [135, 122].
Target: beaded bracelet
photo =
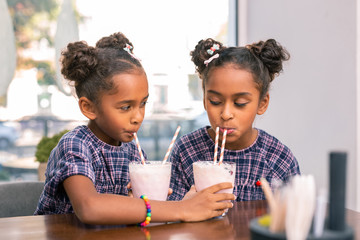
[148, 211]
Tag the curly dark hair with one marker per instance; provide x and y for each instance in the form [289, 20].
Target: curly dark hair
[91, 68]
[263, 59]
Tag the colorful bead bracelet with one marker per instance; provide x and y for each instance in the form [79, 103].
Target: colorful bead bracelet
[148, 211]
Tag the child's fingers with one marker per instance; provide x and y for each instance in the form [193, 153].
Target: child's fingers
[221, 208]
[219, 213]
[224, 205]
[220, 186]
[223, 197]
[130, 194]
[170, 191]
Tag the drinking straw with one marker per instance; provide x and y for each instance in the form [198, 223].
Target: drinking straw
[171, 144]
[273, 205]
[216, 144]
[139, 148]
[300, 206]
[222, 147]
[320, 213]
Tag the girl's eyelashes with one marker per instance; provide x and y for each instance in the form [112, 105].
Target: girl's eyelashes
[128, 107]
[125, 108]
[143, 104]
[214, 102]
[241, 104]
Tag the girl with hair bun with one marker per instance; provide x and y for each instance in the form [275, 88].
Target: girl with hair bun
[87, 172]
[235, 82]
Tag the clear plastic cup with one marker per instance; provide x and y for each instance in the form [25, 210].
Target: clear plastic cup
[207, 174]
[151, 179]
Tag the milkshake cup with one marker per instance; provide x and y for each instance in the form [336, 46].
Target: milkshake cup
[207, 174]
[151, 179]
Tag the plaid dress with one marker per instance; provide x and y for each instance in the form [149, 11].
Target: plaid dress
[267, 157]
[80, 152]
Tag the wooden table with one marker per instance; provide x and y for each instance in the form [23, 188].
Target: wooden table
[67, 226]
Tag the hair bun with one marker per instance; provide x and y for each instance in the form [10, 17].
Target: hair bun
[78, 61]
[117, 40]
[200, 54]
[271, 54]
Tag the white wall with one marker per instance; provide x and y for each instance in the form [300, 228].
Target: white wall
[313, 102]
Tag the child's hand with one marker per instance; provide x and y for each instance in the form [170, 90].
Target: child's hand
[191, 193]
[130, 194]
[207, 203]
[170, 191]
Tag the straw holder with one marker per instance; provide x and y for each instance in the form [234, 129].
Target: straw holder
[335, 225]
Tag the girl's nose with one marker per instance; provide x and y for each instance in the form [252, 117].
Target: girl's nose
[138, 116]
[226, 114]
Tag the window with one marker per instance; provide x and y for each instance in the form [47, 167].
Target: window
[163, 33]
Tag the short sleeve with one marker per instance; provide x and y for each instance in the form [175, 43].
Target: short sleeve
[71, 157]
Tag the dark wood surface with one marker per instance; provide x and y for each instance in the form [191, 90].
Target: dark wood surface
[235, 225]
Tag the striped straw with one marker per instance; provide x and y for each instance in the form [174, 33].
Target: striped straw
[216, 144]
[171, 144]
[222, 147]
[139, 148]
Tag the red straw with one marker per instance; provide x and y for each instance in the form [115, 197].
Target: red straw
[171, 144]
[139, 148]
[216, 144]
[222, 147]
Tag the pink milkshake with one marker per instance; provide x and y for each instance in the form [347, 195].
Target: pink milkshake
[151, 179]
[207, 174]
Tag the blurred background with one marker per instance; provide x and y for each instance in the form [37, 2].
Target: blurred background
[36, 102]
[314, 103]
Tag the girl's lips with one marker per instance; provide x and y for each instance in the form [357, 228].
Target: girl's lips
[229, 130]
[131, 133]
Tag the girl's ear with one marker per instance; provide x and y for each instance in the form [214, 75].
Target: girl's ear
[87, 108]
[263, 105]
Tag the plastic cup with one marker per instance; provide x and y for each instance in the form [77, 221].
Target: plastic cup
[207, 174]
[151, 179]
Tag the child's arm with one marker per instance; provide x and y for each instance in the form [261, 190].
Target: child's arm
[94, 208]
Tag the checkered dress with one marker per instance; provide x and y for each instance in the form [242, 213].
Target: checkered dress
[267, 157]
[80, 152]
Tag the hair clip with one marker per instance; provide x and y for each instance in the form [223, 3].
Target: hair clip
[213, 49]
[128, 48]
[206, 62]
